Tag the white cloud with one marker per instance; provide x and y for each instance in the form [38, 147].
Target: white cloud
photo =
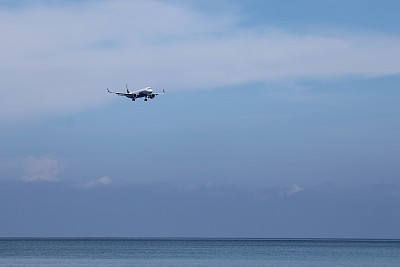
[293, 190]
[40, 169]
[102, 181]
[60, 59]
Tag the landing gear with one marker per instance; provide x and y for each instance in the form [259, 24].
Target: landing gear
[133, 99]
[145, 99]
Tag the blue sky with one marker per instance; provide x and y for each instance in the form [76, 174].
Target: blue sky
[281, 119]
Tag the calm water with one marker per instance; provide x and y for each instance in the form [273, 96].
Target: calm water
[198, 252]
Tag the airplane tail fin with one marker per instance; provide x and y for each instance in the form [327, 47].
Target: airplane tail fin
[127, 90]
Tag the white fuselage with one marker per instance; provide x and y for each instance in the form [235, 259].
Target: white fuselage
[145, 92]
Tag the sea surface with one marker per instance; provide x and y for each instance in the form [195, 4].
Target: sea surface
[116, 252]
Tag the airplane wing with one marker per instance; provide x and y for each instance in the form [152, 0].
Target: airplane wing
[121, 94]
[163, 92]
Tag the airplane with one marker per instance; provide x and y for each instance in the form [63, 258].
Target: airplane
[146, 92]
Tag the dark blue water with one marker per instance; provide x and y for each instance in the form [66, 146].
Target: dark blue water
[198, 252]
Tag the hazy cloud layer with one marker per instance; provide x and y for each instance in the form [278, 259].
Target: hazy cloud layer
[60, 58]
[40, 169]
[59, 209]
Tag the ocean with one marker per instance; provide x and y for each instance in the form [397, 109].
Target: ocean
[118, 252]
